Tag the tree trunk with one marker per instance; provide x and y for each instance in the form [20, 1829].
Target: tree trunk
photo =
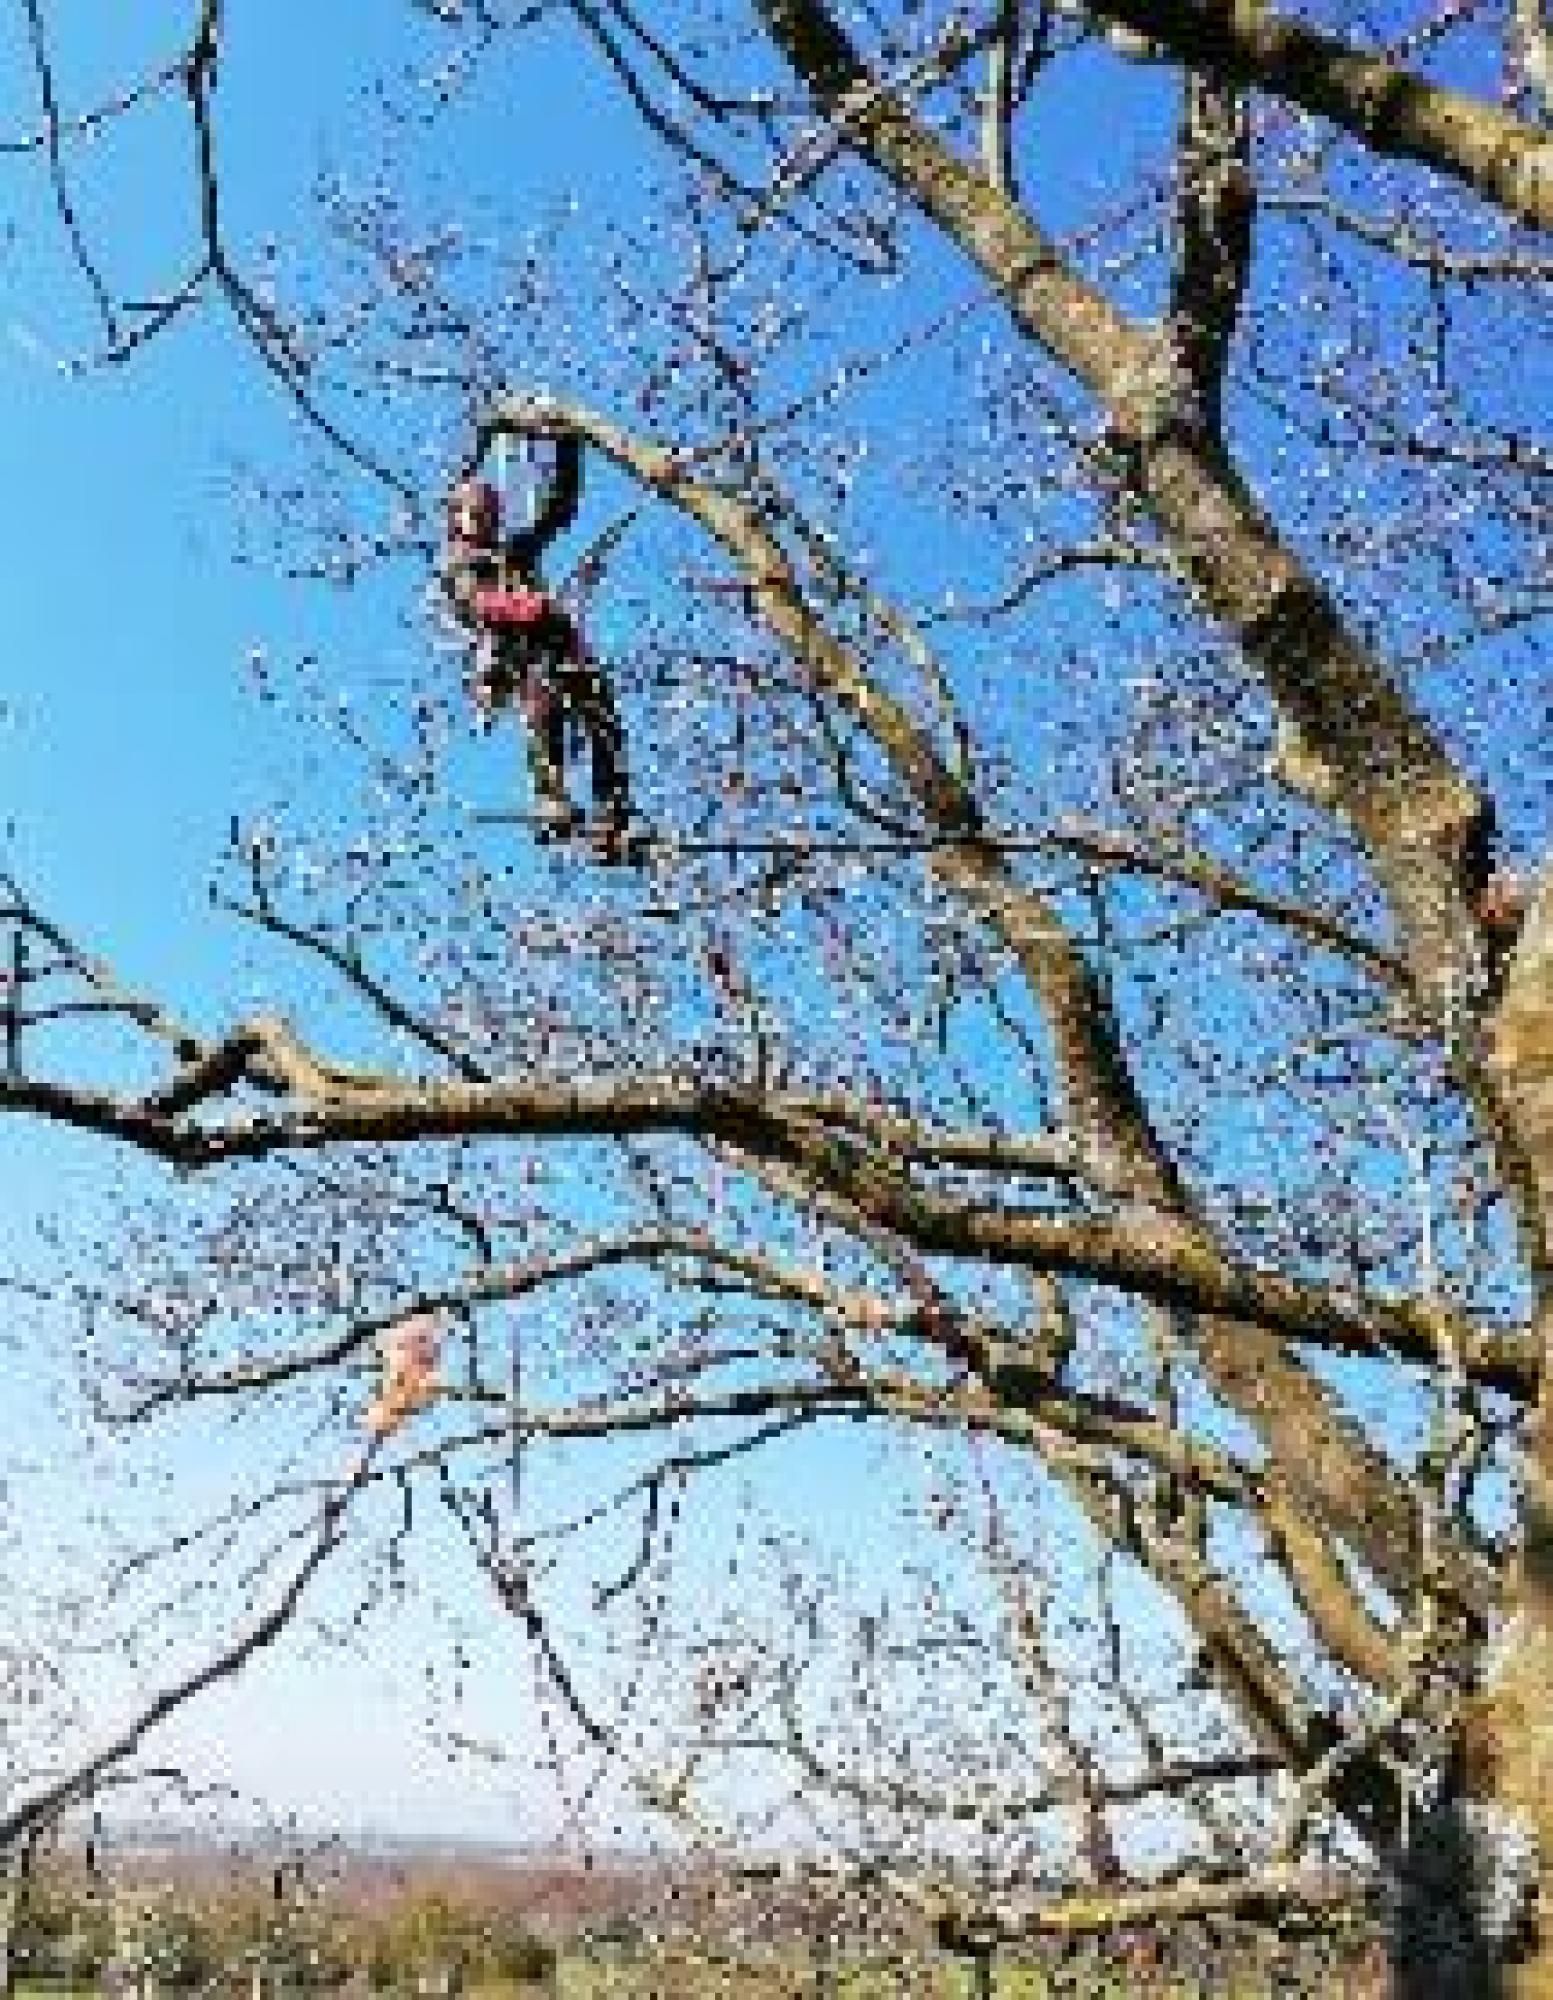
[1507, 1751]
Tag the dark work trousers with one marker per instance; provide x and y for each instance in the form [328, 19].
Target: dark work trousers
[561, 697]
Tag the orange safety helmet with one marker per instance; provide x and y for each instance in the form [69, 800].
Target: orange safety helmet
[474, 513]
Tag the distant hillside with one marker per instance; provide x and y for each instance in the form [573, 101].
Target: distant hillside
[558, 1894]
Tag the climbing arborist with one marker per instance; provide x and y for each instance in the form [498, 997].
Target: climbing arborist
[529, 649]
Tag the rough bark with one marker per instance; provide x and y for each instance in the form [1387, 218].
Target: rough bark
[1423, 826]
[1420, 820]
[1388, 109]
[1508, 1745]
[1109, 1119]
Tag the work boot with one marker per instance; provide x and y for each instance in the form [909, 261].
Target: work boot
[614, 841]
[555, 818]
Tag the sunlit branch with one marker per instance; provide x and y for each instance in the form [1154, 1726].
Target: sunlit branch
[1401, 237]
[1389, 109]
[1000, 99]
[1266, 1893]
[1105, 1104]
[20, 910]
[899, 1793]
[1149, 1252]
[1416, 811]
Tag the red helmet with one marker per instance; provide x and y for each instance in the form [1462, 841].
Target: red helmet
[474, 513]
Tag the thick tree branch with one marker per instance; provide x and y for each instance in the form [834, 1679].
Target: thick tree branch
[1147, 1252]
[1314, 1446]
[1105, 1110]
[1422, 822]
[1420, 819]
[1112, 1121]
[1214, 213]
[1388, 109]
[1000, 99]
[1264, 1894]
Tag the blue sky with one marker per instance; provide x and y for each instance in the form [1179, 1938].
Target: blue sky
[131, 625]
[128, 736]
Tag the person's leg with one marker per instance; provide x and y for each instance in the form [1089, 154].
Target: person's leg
[544, 713]
[594, 701]
[490, 686]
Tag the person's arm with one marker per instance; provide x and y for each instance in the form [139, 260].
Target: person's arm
[557, 511]
[460, 577]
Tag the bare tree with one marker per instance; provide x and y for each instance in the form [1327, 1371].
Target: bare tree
[1078, 1004]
